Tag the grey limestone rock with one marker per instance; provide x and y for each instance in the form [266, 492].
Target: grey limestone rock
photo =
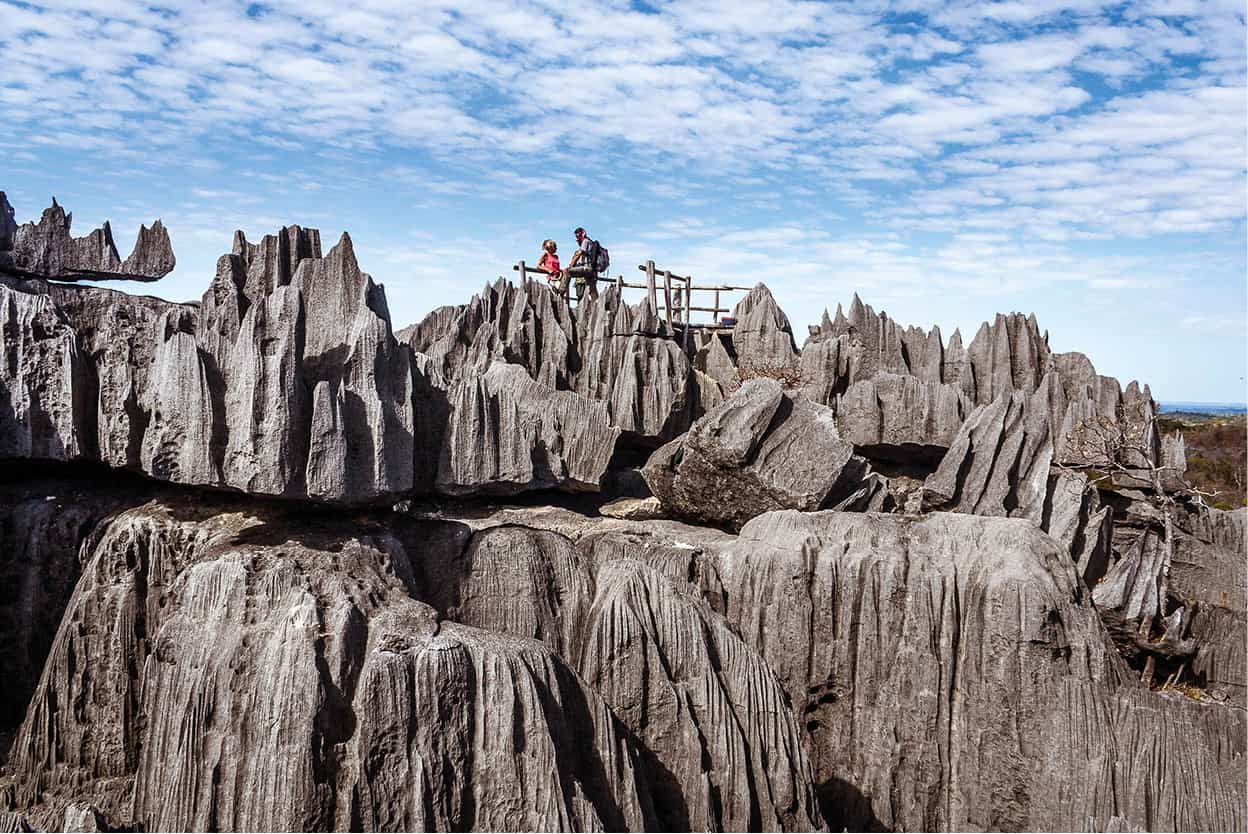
[46, 249]
[633, 509]
[629, 359]
[8, 229]
[898, 415]
[1209, 573]
[291, 653]
[722, 750]
[762, 449]
[1007, 355]
[961, 681]
[44, 522]
[508, 433]
[43, 380]
[524, 324]
[762, 336]
[604, 350]
[999, 462]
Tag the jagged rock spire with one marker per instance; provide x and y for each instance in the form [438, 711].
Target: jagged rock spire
[46, 249]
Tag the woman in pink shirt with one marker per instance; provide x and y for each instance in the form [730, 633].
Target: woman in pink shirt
[549, 261]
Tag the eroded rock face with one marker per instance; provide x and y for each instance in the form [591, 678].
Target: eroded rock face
[763, 449]
[508, 433]
[721, 748]
[46, 249]
[898, 416]
[44, 525]
[44, 376]
[957, 678]
[292, 653]
[603, 350]
[526, 325]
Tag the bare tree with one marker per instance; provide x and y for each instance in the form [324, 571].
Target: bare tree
[1126, 450]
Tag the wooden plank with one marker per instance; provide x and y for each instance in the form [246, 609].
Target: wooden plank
[650, 291]
[716, 307]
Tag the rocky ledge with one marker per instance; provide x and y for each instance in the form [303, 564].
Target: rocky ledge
[273, 566]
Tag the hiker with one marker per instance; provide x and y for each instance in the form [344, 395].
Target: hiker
[587, 261]
[549, 261]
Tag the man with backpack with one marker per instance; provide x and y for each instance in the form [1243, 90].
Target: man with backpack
[588, 261]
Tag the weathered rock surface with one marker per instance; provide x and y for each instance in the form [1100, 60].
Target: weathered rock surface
[44, 524]
[763, 449]
[1209, 575]
[205, 661]
[290, 653]
[722, 749]
[46, 249]
[604, 350]
[762, 336]
[508, 433]
[999, 462]
[524, 324]
[43, 408]
[963, 681]
[900, 416]
[874, 373]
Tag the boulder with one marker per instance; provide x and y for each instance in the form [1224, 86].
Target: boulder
[762, 449]
[633, 509]
[900, 417]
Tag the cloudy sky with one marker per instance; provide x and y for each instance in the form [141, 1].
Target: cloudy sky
[1080, 160]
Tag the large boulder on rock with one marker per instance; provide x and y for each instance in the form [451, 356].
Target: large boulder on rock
[901, 417]
[762, 449]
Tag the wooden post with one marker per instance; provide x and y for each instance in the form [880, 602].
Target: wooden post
[716, 306]
[650, 292]
[522, 273]
[688, 310]
[667, 296]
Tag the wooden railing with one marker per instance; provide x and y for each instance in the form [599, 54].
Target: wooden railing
[675, 303]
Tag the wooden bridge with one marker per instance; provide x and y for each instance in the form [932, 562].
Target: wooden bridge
[672, 295]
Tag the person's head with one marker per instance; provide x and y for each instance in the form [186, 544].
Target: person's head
[549, 245]
[579, 233]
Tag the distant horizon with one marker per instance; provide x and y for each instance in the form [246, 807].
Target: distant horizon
[1078, 160]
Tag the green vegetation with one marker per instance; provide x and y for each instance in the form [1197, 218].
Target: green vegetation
[1217, 454]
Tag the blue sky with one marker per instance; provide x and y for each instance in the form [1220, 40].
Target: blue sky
[1080, 160]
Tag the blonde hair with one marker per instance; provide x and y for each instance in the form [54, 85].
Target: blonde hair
[549, 245]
